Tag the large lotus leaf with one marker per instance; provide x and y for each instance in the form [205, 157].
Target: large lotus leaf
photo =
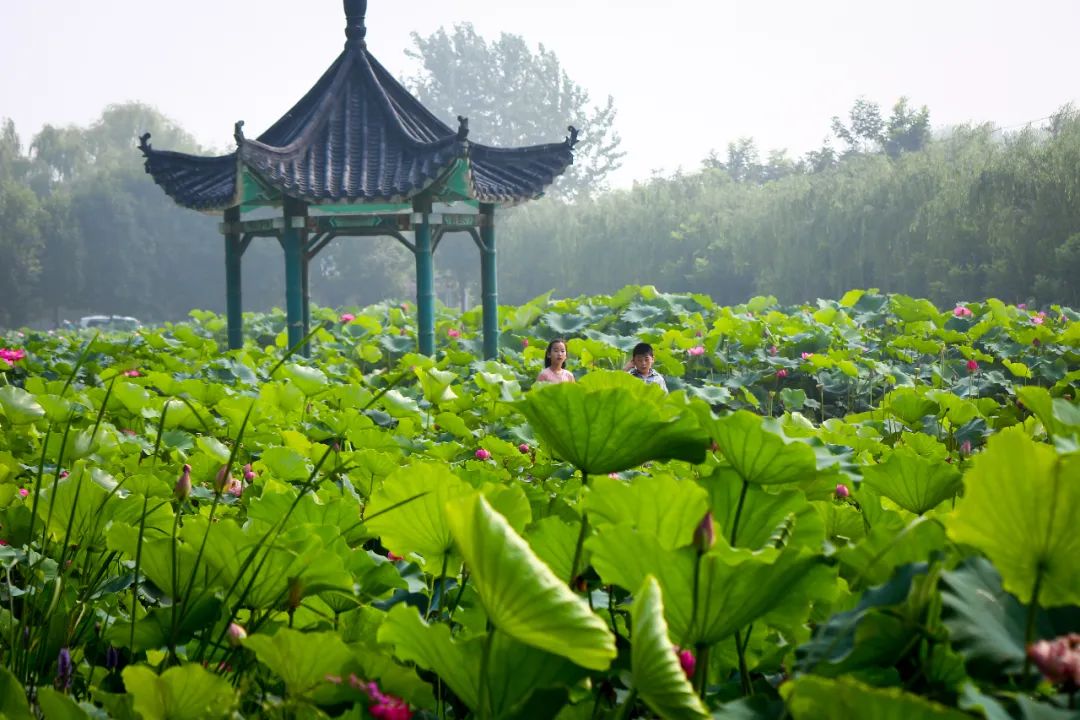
[13, 702]
[310, 380]
[915, 483]
[57, 706]
[522, 596]
[186, 692]
[156, 558]
[418, 523]
[339, 510]
[987, 624]
[735, 588]
[302, 660]
[611, 421]
[811, 698]
[78, 508]
[554, 542]
[436, 384]
[763, 513]
[1020, 508]
[910, 405]
[19, 406]
[308, 562]
[757, 451]
[873, 634]
[1058, 416]
[612, 501]
[515, 670]
[159, 627]
[286, 464]
[889, 544]
[657, 675]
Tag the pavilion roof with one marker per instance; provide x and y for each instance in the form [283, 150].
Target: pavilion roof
[358, 137]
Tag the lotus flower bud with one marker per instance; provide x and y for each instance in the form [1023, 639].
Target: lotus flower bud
[705, 534]
[221, 480]
[236, 634]
[183, 485]
[842, 491]
[483, 454]
[523, 448]
[249, 474]
[687, 661]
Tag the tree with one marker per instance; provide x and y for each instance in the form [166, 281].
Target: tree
[513, 96]
[906, 130]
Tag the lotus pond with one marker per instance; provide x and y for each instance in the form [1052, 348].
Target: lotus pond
[861, 508]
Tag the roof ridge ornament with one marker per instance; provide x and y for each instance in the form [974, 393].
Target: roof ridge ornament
[355, 30]
[572, 140]
[144, 145]
[238, 132]
[463, 127]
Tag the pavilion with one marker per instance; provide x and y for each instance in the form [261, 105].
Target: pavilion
[358, 155]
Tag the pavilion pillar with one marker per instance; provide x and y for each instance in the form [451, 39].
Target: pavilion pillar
[306, 264]
[293, 241]
[233, 296]
[489, 287]
[425, 275]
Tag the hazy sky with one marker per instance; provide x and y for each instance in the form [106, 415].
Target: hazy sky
[686, 75]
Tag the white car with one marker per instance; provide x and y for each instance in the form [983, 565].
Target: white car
[110, 322]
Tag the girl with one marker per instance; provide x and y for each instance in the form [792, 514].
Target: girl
[554, 361]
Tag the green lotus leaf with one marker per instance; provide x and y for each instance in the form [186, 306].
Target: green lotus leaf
[57, 706]
[1020, 508]
[554, 541]
[302, 660]
[1059, 416]
[910, 405]
[810, 698]
[436, 384]
[673, 521]
[454, 424]
[187, 692]
[915, 483]
[13, 702]
[758, 453]
[764, 513]
[418, 523]
[735, 587]
[522, 596]
[657, 675]
[611, 421]
[310, 380]
[159, 626]
[889, 544]
[286, 464]
[515, 670]
[19, 406]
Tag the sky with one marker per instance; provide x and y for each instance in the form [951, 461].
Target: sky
[687, 76]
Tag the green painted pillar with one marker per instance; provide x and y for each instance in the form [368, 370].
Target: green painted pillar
[307, 295]
[233, 296]
[489, 285]
[293, 241]
[425, 276]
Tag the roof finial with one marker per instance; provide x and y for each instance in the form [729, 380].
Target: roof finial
[354, 19]
[144, 144]
[463, 127]
[238, 132]
[572, 140]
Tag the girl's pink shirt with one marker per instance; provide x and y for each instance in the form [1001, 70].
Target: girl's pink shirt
[549, 375]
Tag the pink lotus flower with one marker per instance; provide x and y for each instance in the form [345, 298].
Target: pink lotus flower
[347, 318]
[687, 661]
[842, 491]
[234, 487]
[965, 447]
[781, 373]
[696, 351]
[183, 485]
[807, 355]
[12, 355]
[23, 492]
[773, 350]
[524, 342]
[972, 366]
[523, 448]
[1058, 659]
[961, 311]
[236, 633]
[483, 454]
[454, 333]
[132, 373]
[1022, 306]
[383, 707]
[64, 474]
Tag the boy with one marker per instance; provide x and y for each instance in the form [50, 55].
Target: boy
[642, 366]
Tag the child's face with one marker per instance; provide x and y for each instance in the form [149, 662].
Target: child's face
[643, 363]
[557, 354]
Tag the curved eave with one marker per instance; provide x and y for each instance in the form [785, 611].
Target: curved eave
[201, 183]
[509, 176]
